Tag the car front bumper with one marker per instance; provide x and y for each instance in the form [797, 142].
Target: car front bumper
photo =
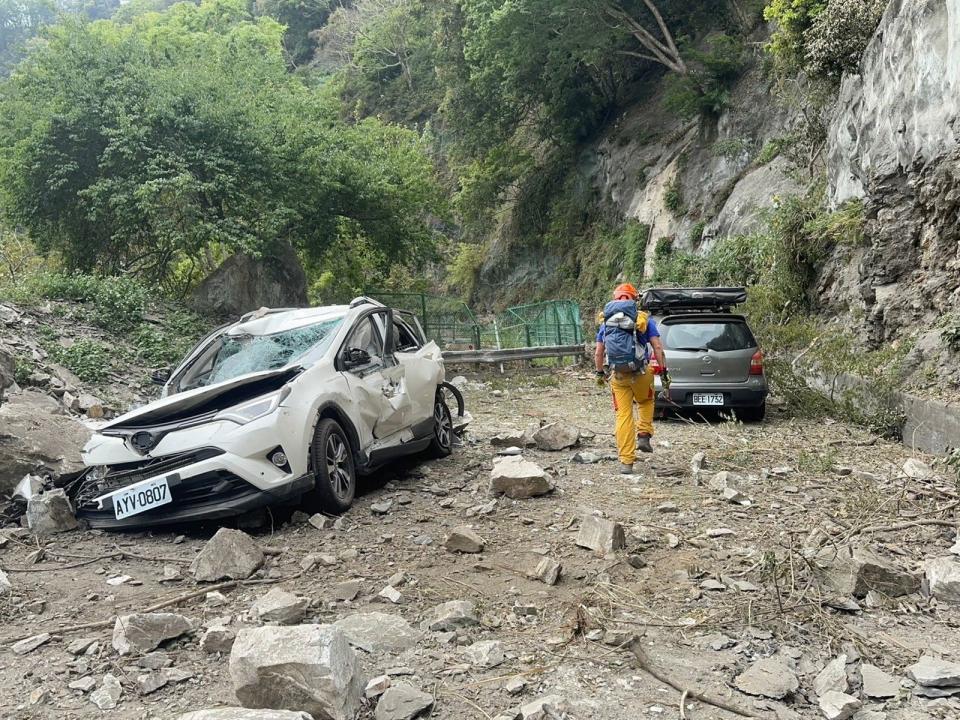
[751, 394]
[213, 471]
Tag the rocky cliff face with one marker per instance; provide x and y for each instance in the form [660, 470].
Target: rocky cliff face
[894, 144]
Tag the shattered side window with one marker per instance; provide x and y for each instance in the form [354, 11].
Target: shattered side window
[242, 354]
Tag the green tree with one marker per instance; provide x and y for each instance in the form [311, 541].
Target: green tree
[129, 147]
[21, 20]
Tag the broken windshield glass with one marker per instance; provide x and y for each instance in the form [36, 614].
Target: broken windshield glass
[231, 356]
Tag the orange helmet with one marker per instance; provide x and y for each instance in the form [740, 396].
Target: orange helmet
[626, 291]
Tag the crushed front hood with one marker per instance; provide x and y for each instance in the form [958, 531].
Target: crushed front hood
[200, 400]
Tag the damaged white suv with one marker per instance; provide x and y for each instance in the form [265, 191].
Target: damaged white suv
[282, 406]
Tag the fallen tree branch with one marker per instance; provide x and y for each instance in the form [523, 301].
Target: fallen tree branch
[643, 662]
[902, 526]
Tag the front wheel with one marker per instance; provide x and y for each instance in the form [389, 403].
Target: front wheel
[441, 445]
[333, 468]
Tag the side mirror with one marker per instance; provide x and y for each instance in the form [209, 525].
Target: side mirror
[356, 357]
[160, 377]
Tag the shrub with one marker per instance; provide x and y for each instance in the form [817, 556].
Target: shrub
[464, 268]
[837, 37]
[117, 303]
[705, 89]
[793, 18]
[770, 151]
[633, 239]
[89, 360]
[696, 233]
[673, 198]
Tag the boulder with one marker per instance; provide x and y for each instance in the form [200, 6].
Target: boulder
[556, 436]
[238, 713]
[377, 686]
[311, 668]
[218, 639]
[515, 438]
[543, 708]
[832, 677]
[534, 566]
[600, 535]
[28, 645]
[35, 434]
[463, 539]
[917, 469]
[518, 478]
[725, 480]
[451, 616]
[770, 678]
[377, 632]
[932, 672]
[230, 554]
[51, 512]
[145, 631]
[856, 571]
[877, 683]
[243, 283]
[943, 577]
[402, 702]
[280, 607]
[838, 705]
[485, 653]
[108, 695]
[5, 584]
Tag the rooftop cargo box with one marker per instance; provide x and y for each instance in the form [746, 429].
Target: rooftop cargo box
[692, 299]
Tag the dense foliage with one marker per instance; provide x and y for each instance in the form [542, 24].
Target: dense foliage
[140, 146]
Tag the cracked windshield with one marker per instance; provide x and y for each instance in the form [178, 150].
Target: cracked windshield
[235, 355]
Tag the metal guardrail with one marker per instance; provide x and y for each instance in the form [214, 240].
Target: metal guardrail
[512, 354]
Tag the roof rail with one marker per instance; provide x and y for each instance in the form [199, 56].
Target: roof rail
[262, 312]
[364, 300]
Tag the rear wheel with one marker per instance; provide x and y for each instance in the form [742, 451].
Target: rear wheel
[333, 468]
[441, 445]
[752, 414]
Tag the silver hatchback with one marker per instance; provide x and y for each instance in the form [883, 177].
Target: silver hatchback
[714, 360]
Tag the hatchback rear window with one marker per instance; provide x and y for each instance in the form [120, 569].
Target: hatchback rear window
[717, 335]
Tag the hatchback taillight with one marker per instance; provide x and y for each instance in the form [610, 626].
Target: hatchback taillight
[756, 363]
[655, 366]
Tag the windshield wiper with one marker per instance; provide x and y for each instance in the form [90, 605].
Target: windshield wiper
[690, 349]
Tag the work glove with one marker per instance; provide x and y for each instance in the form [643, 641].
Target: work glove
[665, 379]
[601, 378]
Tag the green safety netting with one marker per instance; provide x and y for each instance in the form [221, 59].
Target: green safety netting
[451, 324]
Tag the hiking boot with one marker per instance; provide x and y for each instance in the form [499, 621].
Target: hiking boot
[626, 469]
[643, 443]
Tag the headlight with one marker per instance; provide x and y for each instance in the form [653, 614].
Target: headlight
[253, 409]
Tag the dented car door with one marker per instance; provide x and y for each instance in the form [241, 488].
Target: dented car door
[375, 377]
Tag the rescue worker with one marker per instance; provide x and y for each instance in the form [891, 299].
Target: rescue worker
[622, 349]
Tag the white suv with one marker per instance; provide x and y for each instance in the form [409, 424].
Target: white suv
[280, 405]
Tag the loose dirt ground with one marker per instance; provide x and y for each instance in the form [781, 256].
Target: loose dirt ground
[804, 474]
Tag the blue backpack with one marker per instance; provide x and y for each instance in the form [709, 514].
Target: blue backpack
[622, 322]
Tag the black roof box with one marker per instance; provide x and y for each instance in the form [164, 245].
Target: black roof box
[692, 299]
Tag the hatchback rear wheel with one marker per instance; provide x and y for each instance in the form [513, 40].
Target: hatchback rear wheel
[333, 468]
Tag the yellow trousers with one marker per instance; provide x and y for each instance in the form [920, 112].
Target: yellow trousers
[629, 388]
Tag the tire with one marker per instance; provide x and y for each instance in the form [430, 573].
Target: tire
[331, 458]
[441, 445]
[752, 414]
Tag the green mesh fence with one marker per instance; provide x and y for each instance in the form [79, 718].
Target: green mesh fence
[448, 322]
[554, 322]
[452, 325]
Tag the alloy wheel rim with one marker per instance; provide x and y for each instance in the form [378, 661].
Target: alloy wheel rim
[443, 424]
[338, 466]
